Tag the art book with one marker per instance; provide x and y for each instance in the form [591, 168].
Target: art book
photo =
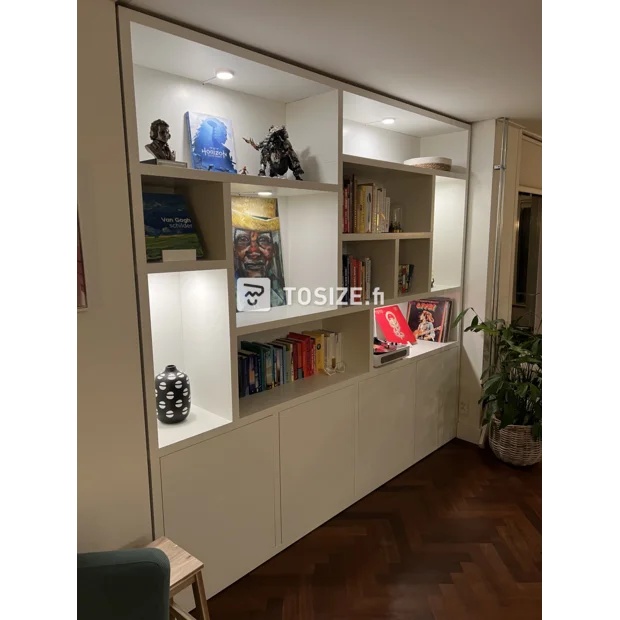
[429, 319]
[168, 226]
[257, 245]
[393, 325]
[211, 142]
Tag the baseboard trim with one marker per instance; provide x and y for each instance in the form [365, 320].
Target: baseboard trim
[468, 433]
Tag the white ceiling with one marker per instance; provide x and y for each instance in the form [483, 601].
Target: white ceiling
[162, 51]
[470, 59]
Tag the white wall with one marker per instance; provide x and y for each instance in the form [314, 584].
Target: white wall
[314, 124]
[478, 270]
[169, 97]
[453, 145]
[113, 488]
[376, 143]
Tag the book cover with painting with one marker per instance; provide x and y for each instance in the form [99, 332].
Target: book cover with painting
[257, 244]
[168, 226]
[211, 142]
[429, 319]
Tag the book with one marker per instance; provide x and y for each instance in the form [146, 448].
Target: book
[308, 352]
[429, 319]
[297, 358]
[252, 347]
[168, 226]
[211, 141]
[319, 348]
[393, 325]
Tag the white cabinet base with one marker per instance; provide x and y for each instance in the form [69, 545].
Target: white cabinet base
[384, 428]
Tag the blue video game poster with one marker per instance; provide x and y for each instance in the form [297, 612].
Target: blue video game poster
[211, 142]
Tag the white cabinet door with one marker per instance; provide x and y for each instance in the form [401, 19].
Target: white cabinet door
[427, 404]
[436, 402]
[219, 501]
[449, 394]
[316, 461]
[384, 428]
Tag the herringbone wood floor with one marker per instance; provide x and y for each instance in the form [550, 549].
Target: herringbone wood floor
[455, 537]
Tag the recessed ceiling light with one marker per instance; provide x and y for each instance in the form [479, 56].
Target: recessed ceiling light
[264, 193]
[224, 74]
[388, 121]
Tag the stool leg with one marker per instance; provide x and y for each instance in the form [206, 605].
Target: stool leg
[198, 588]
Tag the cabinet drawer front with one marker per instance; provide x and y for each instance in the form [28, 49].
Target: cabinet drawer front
[316, 461]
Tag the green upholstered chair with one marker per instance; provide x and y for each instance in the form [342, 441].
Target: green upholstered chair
[132, 584]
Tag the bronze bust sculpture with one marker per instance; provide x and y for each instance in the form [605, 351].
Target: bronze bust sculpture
[159, 146]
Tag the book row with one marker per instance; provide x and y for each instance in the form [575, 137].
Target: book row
[366, 208]
[357, 273]
[265, 365]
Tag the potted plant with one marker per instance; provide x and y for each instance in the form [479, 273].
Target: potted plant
[511, 389]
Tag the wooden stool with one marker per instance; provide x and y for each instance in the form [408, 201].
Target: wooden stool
[184, 571]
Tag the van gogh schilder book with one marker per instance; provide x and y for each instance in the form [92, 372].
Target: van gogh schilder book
[168, 226]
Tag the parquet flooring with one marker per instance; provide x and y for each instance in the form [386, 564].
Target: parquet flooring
[455, 537]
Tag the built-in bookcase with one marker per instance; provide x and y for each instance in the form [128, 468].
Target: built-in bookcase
[187, 309]
[337, 133]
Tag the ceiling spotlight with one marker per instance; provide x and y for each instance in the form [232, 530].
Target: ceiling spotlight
[224, 74]
[264, 193]
[388, 121]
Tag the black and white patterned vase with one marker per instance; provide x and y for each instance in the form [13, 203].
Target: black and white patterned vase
[173, 395]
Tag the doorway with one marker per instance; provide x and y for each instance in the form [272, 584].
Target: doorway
[527, 287]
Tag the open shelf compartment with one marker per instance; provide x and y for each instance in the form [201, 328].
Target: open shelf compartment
[448, 232]
[413, 193]
[173, 75]
[356, 329]
[412, 134]
[190, 328]
[309, 248]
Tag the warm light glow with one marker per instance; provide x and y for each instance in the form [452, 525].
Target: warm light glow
[388, 121]
[224, 74]
[264, 193]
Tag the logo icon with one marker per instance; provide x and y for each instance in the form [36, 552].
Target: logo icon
[253, 294]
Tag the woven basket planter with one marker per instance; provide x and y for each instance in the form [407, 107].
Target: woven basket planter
[514, 444]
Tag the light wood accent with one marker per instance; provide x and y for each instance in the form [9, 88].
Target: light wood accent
[184, 572]
[183, 565]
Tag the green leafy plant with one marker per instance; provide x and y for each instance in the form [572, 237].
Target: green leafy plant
[512, 383]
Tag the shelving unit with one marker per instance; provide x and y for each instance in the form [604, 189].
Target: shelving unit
[267, 455]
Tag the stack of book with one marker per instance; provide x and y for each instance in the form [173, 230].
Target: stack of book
[366, 208]
[405, 279]
[356, 273]
[265, 365]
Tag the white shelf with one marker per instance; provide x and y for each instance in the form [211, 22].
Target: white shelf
[389, 165]
[198, 422]
[240, 183]
[384, 236]
[444, 288]
[282, 394]
[185, 265]
[425, 348]
[287, 316]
